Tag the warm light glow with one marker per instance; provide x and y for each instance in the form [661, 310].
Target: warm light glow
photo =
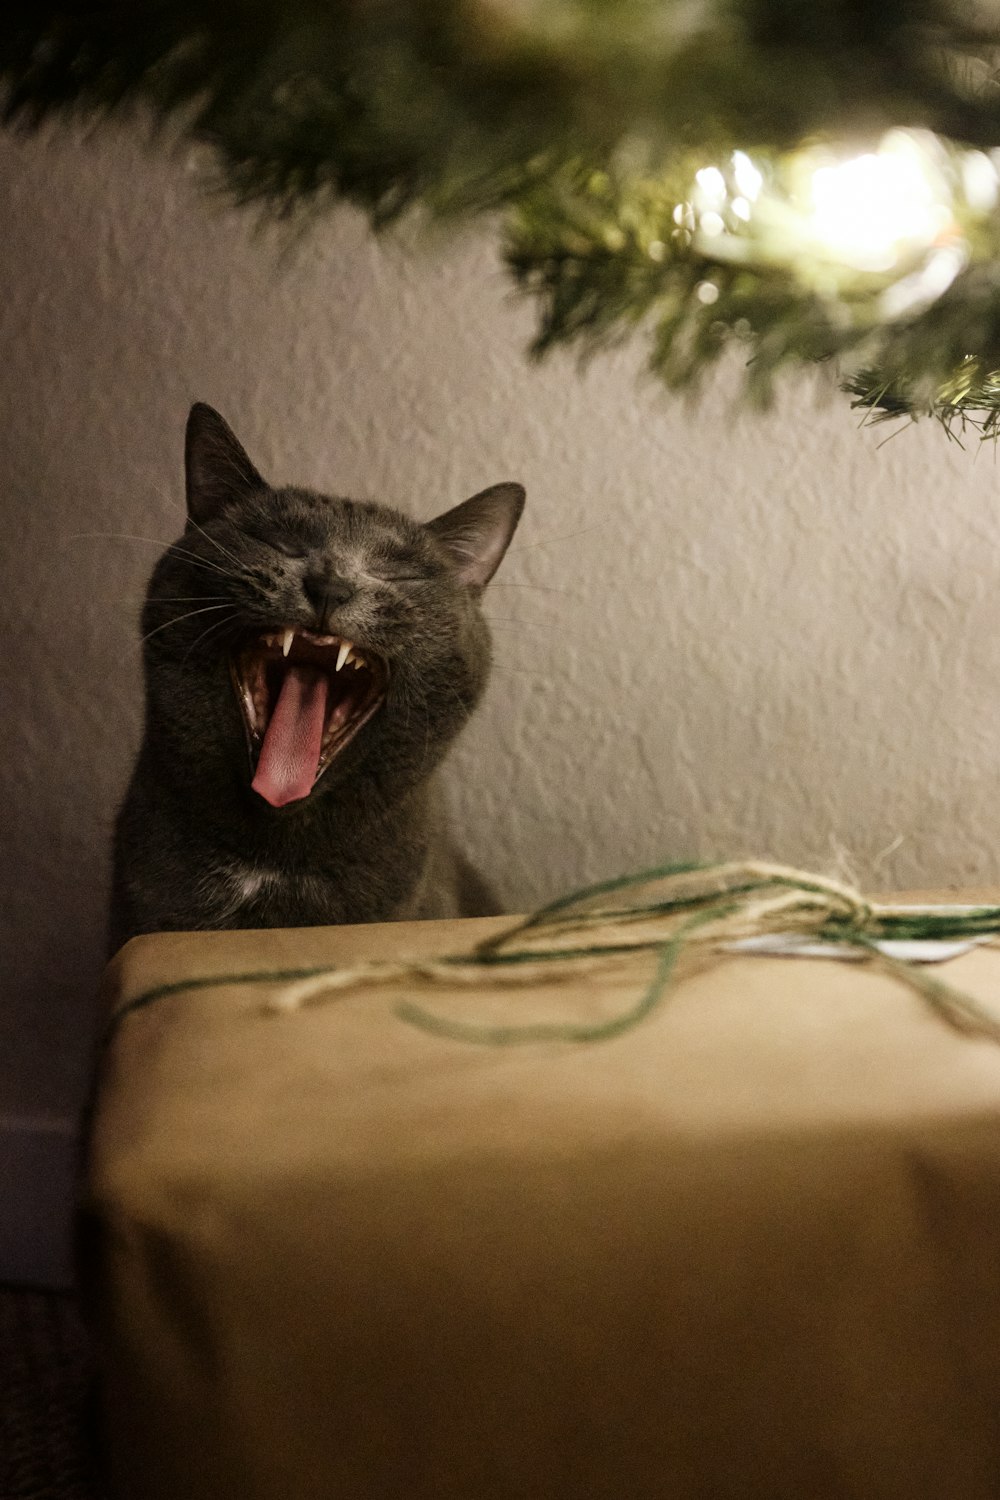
[749, 180]
[979, 181]
[872, 210]
[898, 212]
[711, 186]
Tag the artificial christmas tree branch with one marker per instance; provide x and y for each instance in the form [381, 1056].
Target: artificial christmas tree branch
[614, 137]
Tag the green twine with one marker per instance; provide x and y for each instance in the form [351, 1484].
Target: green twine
[704, 907]
[203, 982]
[552, 1031]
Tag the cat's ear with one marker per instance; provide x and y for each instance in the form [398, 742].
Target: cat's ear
[216, 467]
[477, 533]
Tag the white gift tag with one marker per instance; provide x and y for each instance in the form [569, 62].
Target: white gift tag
[916, 951]
[911, 950]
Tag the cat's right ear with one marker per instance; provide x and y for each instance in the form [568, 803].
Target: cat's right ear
[216, 467]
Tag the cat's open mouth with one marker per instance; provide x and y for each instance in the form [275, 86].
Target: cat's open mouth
[303, 697]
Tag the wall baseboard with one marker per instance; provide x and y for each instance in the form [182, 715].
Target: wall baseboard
[38, 1165]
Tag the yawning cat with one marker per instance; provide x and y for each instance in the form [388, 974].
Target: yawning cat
[308, 661]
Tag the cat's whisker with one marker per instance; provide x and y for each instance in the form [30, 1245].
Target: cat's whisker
[220, 624]
[218, 544]
[466, 709]
[173, 548]
[175, 599]
[541, 588]
[177, 619]
[115, 536]
[203, 562]
[517, 672]
[550, 541]
[508, 622]
[215, 625]
[154, 541]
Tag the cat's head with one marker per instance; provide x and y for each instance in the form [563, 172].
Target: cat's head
[344, 631]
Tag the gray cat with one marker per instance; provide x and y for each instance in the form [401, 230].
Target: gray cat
[308, 661]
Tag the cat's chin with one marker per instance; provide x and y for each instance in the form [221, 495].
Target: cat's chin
[303, 697]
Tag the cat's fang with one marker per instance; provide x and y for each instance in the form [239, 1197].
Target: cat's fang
[344, 654]
[286, 641]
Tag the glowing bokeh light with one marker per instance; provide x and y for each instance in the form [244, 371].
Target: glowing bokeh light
[872, 210]
[899, 212]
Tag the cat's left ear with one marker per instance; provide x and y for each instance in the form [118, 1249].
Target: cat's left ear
[477, 533]
[216, 466]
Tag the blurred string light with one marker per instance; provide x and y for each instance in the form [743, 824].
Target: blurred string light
[886, 230]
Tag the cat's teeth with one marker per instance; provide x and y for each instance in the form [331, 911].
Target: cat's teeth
[359, 661]
[286, 641]
[344, 654]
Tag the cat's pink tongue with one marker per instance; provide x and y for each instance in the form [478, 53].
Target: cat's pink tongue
[289, 756]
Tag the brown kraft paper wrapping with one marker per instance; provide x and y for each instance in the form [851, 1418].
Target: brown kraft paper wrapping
[749, 1249]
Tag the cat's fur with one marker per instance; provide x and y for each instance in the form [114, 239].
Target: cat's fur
[196, 846]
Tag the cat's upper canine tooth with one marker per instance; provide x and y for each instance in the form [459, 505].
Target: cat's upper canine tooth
[286, 641]
[344, 654]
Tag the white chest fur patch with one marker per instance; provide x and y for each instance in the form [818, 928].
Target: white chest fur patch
[246, 882]
[242, 882]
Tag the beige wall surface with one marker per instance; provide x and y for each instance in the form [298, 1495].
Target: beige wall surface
[717, 633]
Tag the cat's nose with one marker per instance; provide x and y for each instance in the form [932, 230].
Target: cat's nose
[327, 592]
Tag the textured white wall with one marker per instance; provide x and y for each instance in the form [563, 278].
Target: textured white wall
[717, 632]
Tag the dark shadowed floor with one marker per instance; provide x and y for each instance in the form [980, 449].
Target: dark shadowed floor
[45, 1387]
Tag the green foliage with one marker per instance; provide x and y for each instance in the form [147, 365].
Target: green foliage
[583, 121]
[967, 400]
[602, 257]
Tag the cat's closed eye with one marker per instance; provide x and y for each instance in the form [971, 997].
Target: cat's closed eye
[398, 573]
[288, 546]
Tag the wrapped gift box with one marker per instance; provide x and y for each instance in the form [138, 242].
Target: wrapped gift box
[750, 1248]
